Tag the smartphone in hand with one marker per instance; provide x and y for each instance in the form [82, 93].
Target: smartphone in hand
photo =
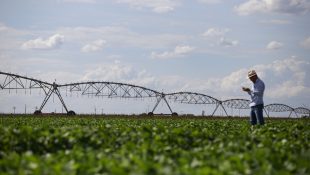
[246, 89]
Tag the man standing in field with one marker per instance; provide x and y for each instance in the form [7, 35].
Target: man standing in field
[256, 93]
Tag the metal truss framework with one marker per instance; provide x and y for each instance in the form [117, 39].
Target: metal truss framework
[302, 110]
[11, 82]
[193, 98]
[16, 82]
[237, 103]
[111, 89]
[276, 107]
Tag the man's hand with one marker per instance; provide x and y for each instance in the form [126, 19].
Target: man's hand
[246, 89]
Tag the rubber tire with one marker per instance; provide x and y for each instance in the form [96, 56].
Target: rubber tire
[174, 114]
[71, 113]
[37, 112]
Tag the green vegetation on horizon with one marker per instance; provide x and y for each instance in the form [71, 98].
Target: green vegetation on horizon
[151, 145]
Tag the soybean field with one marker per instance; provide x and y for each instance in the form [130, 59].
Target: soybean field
[152, 145]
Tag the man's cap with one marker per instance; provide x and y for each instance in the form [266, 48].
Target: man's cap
[251, 73]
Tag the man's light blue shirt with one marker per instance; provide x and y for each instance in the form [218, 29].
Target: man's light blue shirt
[257, 93]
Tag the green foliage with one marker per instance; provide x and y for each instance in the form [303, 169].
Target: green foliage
[150, 145]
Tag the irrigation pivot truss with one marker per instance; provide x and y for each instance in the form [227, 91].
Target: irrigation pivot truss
[14, 82]
[277, 107]
[191, 98]
[9, 81]
[302, 110]
[237, 103]
[110, 89]
[113, 90]
[198, 98]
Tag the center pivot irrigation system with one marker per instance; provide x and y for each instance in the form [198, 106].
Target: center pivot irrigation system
[9, 81]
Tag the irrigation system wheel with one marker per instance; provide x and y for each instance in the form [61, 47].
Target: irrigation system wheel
[174, 114]
[37, 112]
[71, 113]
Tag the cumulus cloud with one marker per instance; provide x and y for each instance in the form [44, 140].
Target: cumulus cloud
[218, 36]
[306, 43]
[124, 73]
[228, 43]
[231, 84]
[94, 46]
[178, 51]
[277, 6]
[110, 72]
[274, 45]
[284, 79]
[119, 72]
[215, 32]
[158, 6]
[51, 43]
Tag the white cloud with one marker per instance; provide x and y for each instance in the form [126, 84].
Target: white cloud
[228, 43]
[251, 6]
[218, 36]
[306, 43]
[119, 72]
[61, 77]
[210, 1]
[3, 27]
[276, 21]
[163, 9]
[274, 45]
[178, 51]
[94, 46]
[287, 89]
[124, 73]
[215, 32]
[284, 79]
[181, 50]
[122, 37]
[110, 72]
[234, 81]
[157, 6]
[277, 6]
[80, 1]
[39, 43]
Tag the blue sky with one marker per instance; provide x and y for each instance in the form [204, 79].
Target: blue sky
[204, 46]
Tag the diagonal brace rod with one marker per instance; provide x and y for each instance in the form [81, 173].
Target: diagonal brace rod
[52, 90]
[158, 101]
[217, 105]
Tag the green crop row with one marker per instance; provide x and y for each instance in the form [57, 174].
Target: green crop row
[122, 145]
